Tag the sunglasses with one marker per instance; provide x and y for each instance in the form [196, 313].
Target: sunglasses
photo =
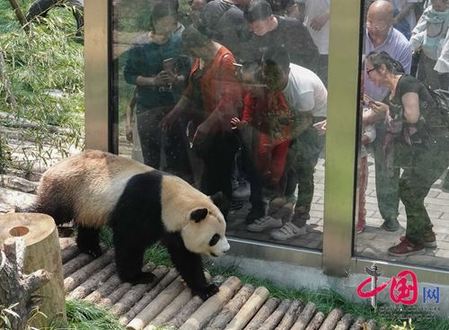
[369, 71]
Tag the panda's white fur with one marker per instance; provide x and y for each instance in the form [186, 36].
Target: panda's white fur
[94, 187]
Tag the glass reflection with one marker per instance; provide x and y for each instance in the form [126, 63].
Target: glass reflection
[405, 212]
[231, 96]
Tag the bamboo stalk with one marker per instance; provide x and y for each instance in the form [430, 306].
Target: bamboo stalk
[273, 320]
[231, 309]
[316, 321]
[76, 263]
[291, 315]
[106, 289]
[211, 306]
[249, 309]
[332, 319]
[170, 310]
[161, 273]
[345, 322]
[157, 305]
[78, 277]
[263, 313]
[69, 253]
[305, 317]
[183, 315]
[358, 324]
[92, 283]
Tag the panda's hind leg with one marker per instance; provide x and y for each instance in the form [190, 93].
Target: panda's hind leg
[129, 252]
[88, 241]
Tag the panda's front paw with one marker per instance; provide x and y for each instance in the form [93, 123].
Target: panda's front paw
[93, 251]
[144, 278]
[137, 278]
[207, 292]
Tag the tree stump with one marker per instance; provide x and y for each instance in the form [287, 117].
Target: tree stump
[42, 251]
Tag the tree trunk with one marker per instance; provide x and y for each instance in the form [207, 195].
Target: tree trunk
[20, 17]
[42, 252]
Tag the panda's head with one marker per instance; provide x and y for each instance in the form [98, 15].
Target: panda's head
[205, 232]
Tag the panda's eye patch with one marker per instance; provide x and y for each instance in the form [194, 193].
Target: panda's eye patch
[214, 240]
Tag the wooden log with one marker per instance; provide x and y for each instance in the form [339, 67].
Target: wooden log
[264, 312]
[212, 305]
[78, 262]
[66, 242]
[181, 317]
[316, 322]
[157, 305]
[135, 295]
[273, 320]
[291, 315]
[249, 309]
[92, 283]
[81, 275]
[42, 252]
[115, 296]
[358, 324]
[69, 253]
[105, 290]
[151, 290]
[231, 308]
[345, 322]
[170, 310]
[305, 317]
[15, 287]
[370, 325]
[332, 319]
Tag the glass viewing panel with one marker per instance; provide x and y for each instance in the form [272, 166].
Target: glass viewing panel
[403, 199]
[231, 96]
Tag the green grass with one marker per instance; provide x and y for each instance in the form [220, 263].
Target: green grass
[84, 316]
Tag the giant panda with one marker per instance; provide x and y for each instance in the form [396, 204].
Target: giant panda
[142, 206]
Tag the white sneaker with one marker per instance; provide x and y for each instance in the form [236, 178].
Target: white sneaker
[287, 231]
[264, 223]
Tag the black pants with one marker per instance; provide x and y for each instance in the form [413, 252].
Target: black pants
[422, 166]
[153, 141]
[217, 152]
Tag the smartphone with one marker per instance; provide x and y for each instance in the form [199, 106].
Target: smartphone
[169, 65]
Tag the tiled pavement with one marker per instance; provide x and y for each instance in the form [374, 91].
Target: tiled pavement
[373, 242]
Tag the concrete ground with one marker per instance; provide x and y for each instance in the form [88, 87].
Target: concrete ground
[373, 242]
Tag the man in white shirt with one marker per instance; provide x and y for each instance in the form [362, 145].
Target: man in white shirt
[306, 96]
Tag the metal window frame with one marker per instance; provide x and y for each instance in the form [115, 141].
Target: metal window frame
[336, 259]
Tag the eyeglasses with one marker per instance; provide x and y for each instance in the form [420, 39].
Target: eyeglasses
[369, 71]
[378, 27]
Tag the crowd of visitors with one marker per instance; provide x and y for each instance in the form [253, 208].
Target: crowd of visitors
[242, 92]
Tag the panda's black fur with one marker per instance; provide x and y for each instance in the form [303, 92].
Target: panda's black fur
[136, 221]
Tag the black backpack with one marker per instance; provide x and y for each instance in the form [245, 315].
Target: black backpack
[441, 106]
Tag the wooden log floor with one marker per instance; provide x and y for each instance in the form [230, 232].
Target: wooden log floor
[168, 303]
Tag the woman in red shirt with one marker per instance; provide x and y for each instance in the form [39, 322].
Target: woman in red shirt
[215, 96]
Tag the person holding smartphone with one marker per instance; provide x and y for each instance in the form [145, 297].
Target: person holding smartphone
[158, 70]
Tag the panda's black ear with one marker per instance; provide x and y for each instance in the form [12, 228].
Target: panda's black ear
[198, 215]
